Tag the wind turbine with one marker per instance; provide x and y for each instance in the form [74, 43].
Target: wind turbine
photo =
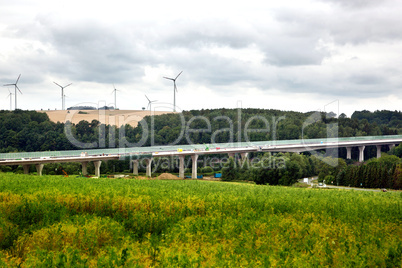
[62, 94]
[174, 89]
[149, 103]
[115, 92]
[10, 95]
[15, 87]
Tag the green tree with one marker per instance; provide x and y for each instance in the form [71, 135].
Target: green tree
[229, 171]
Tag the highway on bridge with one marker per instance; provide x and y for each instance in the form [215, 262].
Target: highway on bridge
[135, 153]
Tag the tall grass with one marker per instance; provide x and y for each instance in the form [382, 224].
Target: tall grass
[57, 221]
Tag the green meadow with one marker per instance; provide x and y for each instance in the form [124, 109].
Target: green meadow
[54, 221]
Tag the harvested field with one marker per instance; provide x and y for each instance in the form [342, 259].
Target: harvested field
[112, 117]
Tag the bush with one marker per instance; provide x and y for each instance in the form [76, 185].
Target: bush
[322, 175]
[397, 151]
[207, 169]
[6, 169]
[329, 179]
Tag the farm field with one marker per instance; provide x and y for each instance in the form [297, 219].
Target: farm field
[85, 222]
[112, 117]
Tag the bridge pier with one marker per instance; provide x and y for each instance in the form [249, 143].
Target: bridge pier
[390, 146]
[361, 153]
[378, 151]
[39, 168]
[181, 166]
[194, 170]
[232, 155]
[244, 157]
[348, 152]
[149, 167]
[97, 165]
[26, 169]
[84, 168]
[135, 167]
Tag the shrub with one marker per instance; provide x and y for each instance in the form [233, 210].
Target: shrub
[329, 179]
[207, 169]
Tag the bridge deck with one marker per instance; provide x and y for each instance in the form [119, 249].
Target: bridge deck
[235, 147]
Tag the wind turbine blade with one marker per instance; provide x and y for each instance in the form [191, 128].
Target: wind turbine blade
[18, 78]
[168, 78]
[8, 85]
[18, 89]
[57, 84]
[178, 75]
[175, 88]
[68, 85]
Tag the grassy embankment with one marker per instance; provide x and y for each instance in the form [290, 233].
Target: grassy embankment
[52, 220]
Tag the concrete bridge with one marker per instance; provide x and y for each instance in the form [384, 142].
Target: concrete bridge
[181, 151]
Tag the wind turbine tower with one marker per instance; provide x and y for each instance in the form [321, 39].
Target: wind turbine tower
[149, 103]
[65, 100]
[62, 95]
[10, 95]
[15, 87]
[174, 89]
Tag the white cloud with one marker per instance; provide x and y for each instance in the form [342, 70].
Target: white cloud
[284, 55]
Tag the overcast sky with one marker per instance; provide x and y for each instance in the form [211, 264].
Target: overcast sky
[288, 55]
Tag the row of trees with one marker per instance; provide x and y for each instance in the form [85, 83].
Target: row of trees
[385, 172]
[288, 168]
[272, 169]
[392, 119]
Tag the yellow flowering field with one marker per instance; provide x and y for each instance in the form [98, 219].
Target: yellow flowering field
[54, 221]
